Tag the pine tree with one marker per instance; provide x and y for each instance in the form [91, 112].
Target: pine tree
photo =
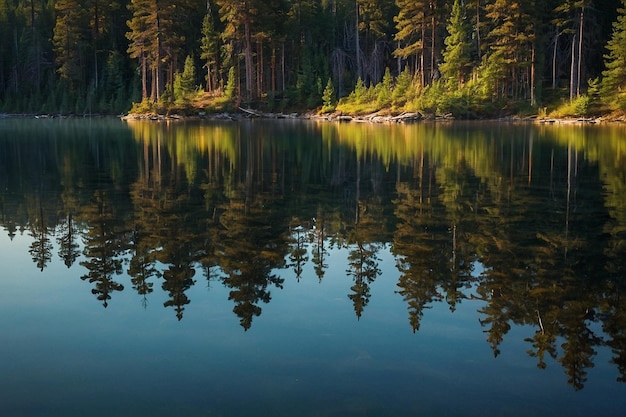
[115, 95]
[34, 45]
[185, 83]
[209, 45]
[457, 55]
[614, 77]
[570, 18]
[416, 23]
[411, 26]
[511, 40]
[328, 97]
[143, 37]
[402, 88]
[70, 40]
[376, 25]
[384, 89]
[231, 84]
[279, 45]
[157, 38]
[238, 16]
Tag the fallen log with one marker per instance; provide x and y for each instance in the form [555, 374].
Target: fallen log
[251, 112]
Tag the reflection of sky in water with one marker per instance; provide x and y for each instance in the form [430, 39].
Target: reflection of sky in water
[307, 354]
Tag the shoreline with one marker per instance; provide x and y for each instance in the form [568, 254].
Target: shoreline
[374, 118]
[380, 117]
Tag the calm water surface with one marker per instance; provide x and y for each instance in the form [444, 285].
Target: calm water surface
[304, 269]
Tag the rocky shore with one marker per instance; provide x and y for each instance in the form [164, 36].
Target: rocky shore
[246, 113]
[374, 118]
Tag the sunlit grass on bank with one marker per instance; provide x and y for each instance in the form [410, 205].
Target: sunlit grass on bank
[390, 97]
[200, 103]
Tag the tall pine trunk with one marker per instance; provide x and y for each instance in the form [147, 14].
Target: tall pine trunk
[432, 42]
[572, 71]
[533, 98]
[144, 77]
[554, 55]
[580, 51]
[359, 65]
[249, 65]
[422, 54]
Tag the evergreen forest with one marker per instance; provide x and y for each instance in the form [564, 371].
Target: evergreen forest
[467, 58]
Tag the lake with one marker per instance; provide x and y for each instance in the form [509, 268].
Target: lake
[302, 268]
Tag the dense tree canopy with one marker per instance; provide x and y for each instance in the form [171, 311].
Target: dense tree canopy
[96, 56]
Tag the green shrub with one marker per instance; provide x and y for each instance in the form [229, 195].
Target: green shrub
[328, 98]
[145, 106]
[384, 90]
[578, 107]
[403, 84]
[231, 84]
[360, 92]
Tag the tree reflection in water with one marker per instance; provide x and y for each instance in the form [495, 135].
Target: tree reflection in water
[541, 210]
